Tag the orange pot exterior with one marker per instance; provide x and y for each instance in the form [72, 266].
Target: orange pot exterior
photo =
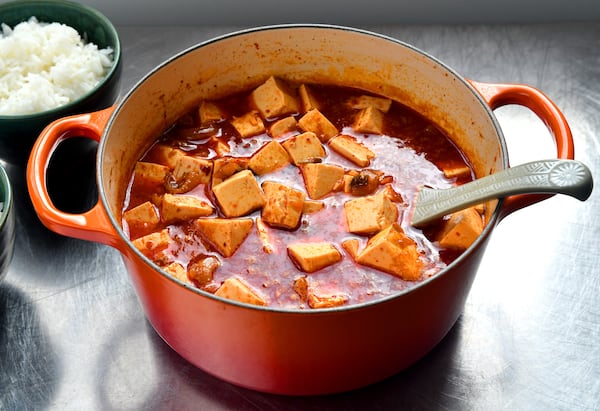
[282, 351]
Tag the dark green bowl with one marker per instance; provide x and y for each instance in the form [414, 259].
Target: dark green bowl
[18, 133]
[7, 222]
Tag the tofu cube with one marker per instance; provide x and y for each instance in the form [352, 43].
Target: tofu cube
[326, 301]
[182, 207]
[210, 112]
[351, 246]
[143, 217]
[367, 215]
[224, 235]
[153, 243]
[348, 147]
[249, 124]
[274, 98]
[270, 157]
[369, 120]
[304, 148]
[361, 102]
[225, 167]
[300, 286]
[314, 121]
[393, 252]
[150, 173]
[177, 271]
[457, 172]
[221, 147]
[321, 179]
[239, 195]
[264, 234]
[283, 205]
[308, 100]
[311, 206]
[234, 289]
[166, 155]
[311, 257]
[281, 127]
[461, 229]
[195, 169]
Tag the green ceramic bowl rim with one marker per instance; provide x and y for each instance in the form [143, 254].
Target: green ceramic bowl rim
[102, 19]
[7, 197]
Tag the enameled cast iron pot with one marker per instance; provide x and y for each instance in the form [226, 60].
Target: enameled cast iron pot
[275, 350]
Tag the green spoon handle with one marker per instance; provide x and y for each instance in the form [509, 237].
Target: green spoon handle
[569, 177]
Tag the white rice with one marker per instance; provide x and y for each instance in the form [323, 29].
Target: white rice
[46, 65]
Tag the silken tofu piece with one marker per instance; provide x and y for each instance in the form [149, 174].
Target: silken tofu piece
[167, 155]
[311, 206]
[283, 205]
[321, 179]
[348, 147]
[351, 246]
[234, 289]
[325, 301]
[182, 207]
[274, 98]
[221, 147]
[307, 99]
[457, 172]
[150, 173]
[393, 252]
[210, 112]
[270, 157]
[461, 229]
[281, 127]
[362, 102]
[189, 172]
[249, 124]
[153, 243]
[225, 235]
[264, 234]
[369, 120]
[239, 195]
[311, 257]
[143, 217]
[177, 271]
[304, 148]
[314, 121]
[367, 215]
[225, 167]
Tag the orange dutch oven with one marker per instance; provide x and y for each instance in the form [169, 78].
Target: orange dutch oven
[279, 350]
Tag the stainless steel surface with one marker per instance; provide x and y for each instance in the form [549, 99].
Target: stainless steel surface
[73, 336]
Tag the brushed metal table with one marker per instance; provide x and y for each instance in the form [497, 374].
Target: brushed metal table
[73, 335]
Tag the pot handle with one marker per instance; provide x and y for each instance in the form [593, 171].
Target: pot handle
[498, 95]
[92, 225]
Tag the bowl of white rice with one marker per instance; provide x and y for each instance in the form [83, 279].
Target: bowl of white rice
[57, 58]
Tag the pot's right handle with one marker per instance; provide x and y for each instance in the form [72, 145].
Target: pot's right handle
[92, 225]
[498, 95]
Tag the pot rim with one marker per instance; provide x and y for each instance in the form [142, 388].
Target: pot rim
[494, 217]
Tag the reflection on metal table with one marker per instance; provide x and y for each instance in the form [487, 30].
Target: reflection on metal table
[73, 335]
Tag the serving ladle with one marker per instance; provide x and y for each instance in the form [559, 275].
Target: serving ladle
[569, 177]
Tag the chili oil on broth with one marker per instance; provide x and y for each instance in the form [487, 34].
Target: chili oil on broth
[411, 149]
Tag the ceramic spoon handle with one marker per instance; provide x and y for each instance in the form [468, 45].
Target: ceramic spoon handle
[539, 177]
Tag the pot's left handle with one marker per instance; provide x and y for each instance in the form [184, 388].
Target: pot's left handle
[92, 225]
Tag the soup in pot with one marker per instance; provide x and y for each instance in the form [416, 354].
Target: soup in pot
[297, 196]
